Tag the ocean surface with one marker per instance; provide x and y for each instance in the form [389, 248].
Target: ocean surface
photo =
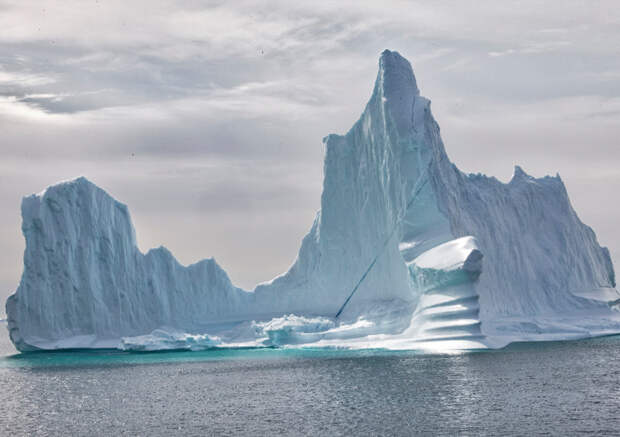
[555, 388]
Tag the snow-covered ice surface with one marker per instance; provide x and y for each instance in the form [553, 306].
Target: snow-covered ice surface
[407, 252]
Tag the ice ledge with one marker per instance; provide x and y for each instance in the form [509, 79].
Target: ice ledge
[455, 254]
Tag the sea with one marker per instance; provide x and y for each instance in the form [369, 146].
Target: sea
[551, 388]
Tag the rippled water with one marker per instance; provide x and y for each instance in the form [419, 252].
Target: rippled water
[545, 388]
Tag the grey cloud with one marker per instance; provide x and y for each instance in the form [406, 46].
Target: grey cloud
[207, 118]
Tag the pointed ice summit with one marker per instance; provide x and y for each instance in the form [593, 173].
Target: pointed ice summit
[407, 252]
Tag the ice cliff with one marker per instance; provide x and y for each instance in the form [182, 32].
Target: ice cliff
[406, 252]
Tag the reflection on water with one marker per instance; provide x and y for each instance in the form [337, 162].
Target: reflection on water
[558, 388]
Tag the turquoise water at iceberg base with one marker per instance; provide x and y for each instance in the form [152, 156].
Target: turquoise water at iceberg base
[553, 388]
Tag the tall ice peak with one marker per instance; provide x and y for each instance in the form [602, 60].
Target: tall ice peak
[396, 89]
[397, 74]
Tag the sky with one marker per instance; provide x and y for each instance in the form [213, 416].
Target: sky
[206, 118]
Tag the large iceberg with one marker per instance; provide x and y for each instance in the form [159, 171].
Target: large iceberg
[407, 252]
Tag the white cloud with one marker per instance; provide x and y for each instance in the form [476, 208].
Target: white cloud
[23, 79]
[13, 108]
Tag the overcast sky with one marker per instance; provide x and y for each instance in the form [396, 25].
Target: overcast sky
[206, 118]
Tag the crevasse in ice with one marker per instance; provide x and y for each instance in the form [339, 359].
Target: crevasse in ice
[407, 252]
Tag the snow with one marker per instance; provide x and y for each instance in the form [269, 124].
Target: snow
[450, 255]
[161, 339]
[294, 329]
[407, 252]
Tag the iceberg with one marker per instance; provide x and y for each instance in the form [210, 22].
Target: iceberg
[406, 252]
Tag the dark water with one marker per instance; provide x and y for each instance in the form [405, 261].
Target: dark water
[564, 388]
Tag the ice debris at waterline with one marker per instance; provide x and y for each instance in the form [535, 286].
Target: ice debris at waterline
[407, 252]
